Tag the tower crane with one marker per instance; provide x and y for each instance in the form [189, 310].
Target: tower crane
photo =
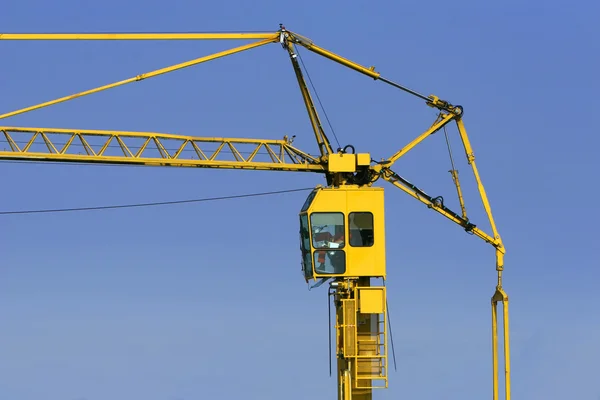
[342, 224]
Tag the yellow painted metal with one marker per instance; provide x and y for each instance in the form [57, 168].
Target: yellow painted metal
[371, 368]
[349, 327]
[392, 177]
[322, 141]
[284, 36]
[337, 212]
[471, 159]
[500, 296]
[140, 77]
[461, 200]
[346, 225]
[308, 44]
[137, 36]
[347, 382]
[360, 336]
[437, 125]
[371, 300]
[342, 162]
[494, 238]
[396, 180]
[148, 148]
[363, 159]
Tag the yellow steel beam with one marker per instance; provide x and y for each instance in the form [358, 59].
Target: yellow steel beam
[141, 77]
[461, 200]
[136, 36]
[395, 180]
[282, 35]
[193, 36]
[439, 124]
[308, 44]
[502, 297]
[321, 137]
[494, 239]
[442, 121]
[147, 148]
[471, 159]
[431, 100]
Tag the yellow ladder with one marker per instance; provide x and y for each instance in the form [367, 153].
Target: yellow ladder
[364, 337]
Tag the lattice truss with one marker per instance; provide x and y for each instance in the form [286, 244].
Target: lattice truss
[148, 148]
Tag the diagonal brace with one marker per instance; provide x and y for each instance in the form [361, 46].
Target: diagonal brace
[144, 76]
[437, 125]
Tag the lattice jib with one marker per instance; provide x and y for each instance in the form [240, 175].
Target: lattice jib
[147, 148]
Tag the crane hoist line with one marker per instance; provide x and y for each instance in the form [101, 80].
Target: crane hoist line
[341, 223]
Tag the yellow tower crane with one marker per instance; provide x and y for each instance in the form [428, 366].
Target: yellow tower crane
[342, 224]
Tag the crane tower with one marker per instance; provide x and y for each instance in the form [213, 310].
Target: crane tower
[342, 223]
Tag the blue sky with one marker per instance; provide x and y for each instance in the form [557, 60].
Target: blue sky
[178, 303]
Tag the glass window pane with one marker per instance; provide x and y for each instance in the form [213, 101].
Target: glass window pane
[307, 265]
[308, 201]
[304, 233]
[360, 227]
[328, 231]
[330, 261]
[305, 246]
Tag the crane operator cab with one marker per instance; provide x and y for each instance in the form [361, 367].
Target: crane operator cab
[342, 233]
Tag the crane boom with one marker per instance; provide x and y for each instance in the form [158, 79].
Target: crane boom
[350, 206]
[157, 149]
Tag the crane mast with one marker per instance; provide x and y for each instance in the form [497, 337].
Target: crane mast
[342, 224]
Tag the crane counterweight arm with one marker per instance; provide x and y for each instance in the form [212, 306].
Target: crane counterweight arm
[146, 148]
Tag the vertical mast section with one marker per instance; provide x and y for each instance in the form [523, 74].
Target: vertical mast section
[361, 338]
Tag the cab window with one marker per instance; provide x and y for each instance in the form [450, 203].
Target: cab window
[328, 238]
[305, 246]
[308, 201]
[360, 226]
[329, 261]
[328, 230]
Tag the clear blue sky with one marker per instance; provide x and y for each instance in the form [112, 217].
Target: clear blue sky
[191, 302]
